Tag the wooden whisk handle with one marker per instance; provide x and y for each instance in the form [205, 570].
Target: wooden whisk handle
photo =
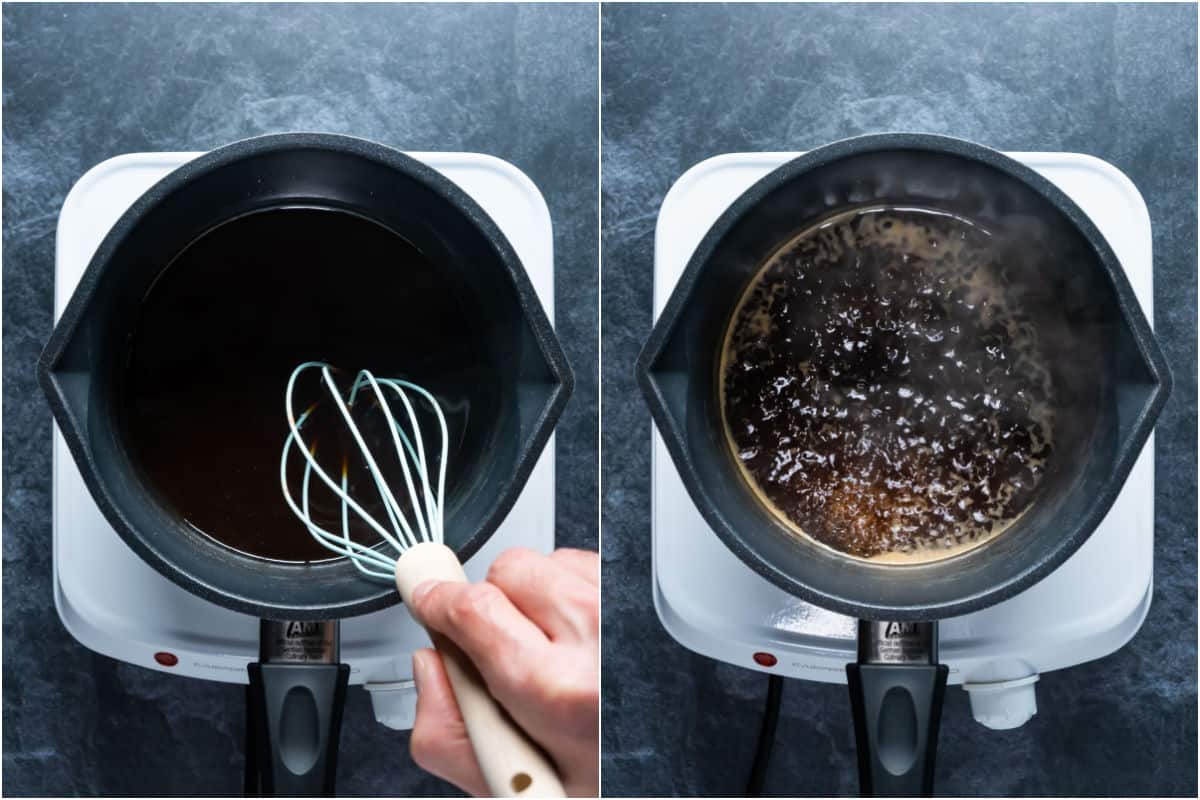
[512, 764]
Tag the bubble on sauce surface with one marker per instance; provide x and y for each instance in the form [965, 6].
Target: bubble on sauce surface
[883, 387]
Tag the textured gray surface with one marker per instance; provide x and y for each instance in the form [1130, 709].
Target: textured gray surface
[83, 83]
[682, 83]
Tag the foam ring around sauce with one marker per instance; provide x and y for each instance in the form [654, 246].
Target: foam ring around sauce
[883, 389]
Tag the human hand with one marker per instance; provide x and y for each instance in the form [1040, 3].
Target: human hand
[532, 629]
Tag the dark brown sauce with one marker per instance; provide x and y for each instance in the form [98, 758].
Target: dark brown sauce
[883, 390]
[222, 329]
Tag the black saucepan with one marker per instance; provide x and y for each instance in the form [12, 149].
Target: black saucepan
[81, 366]
[1109, 373]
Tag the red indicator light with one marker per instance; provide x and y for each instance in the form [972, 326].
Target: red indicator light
[765, 659]
[170, 659]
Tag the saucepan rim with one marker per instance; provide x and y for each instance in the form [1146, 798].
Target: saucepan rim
[374, 596]
[861, 605]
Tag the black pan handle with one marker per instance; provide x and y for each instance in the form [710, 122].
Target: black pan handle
[298, 712]
[296, 696]
[896, 693]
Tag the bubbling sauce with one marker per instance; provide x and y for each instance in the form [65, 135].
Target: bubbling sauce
[882, 389]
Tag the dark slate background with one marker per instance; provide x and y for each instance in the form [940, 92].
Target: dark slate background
[682, 83]
[83, 83]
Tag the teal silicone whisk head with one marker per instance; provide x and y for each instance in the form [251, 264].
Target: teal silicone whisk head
[401, 529]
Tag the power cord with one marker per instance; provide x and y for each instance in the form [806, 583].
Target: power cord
[766, 737]
[250, 776]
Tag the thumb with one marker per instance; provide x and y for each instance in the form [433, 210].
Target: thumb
[439, 742]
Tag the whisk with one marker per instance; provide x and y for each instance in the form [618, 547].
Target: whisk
[412, 549]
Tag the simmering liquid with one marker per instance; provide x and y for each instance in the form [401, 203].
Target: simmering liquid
[223, 327]
[883, 391]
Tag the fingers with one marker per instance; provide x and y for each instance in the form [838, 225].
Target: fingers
[439, 742]
[583, 563]
[552, 592]
[532, 631]
[502, 642]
